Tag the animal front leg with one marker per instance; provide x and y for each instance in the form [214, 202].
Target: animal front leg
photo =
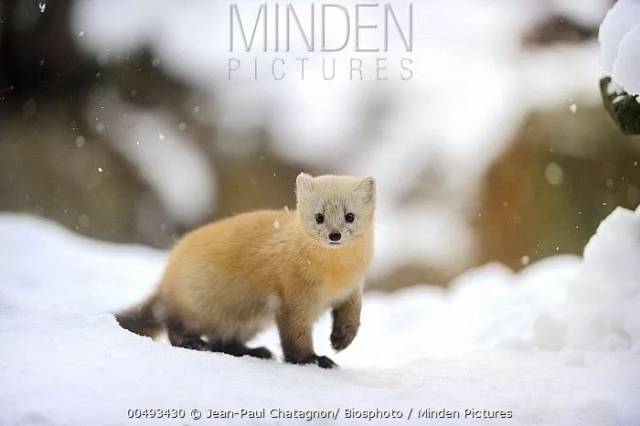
[295, 325]
[346, 320]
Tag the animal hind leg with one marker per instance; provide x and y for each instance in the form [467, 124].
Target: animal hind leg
[180, 337]
[237, 348]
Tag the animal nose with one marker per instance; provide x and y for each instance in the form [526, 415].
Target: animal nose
[335, 236]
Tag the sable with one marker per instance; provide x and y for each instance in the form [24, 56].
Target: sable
[229, 280]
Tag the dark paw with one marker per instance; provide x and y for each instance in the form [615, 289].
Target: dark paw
[261, 352]
[195, 343]
[319, 360]
[341, 337]
[325, 362]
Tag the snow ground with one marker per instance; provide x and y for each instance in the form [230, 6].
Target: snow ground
[558, 343]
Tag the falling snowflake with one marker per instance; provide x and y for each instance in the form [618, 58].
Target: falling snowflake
[554, 174]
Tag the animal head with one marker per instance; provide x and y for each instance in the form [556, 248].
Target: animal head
[335, 209]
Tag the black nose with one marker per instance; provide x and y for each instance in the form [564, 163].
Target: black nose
[335, 236]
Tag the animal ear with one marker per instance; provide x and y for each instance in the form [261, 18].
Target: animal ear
[304, 182]
[367, 188]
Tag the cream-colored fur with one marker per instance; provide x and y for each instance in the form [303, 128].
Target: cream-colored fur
[230, 279]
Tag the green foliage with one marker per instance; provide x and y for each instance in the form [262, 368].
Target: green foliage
[622, 107]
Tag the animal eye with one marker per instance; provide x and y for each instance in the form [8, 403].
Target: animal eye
[319, 218]
[349, 217]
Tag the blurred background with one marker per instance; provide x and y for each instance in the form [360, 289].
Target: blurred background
[118, 120]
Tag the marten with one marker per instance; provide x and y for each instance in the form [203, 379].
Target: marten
[228, 280]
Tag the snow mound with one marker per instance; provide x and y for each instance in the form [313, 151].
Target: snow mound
[558, 343]
[619, 40]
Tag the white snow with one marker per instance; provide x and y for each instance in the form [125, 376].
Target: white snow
[619, 41]
[626, 68]
[558, 343]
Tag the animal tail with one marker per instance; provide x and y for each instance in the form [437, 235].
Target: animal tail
[142, 319]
